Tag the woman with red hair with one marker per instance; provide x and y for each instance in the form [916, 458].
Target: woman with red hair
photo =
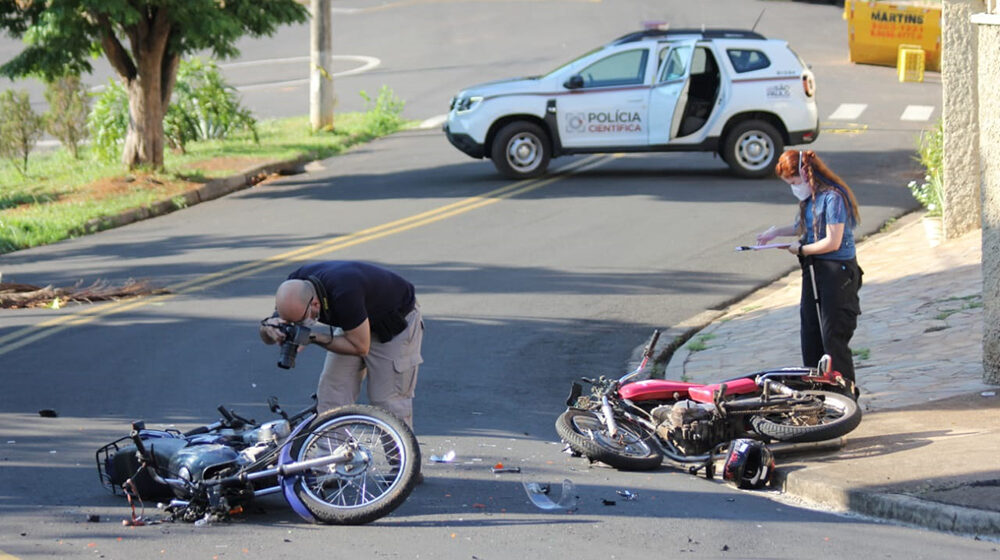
[828, 213]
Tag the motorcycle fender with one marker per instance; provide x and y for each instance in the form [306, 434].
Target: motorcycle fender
[288, 482]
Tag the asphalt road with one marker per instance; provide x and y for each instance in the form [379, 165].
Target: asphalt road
[524, 287]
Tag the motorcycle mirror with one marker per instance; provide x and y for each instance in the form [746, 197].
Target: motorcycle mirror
[272, 404]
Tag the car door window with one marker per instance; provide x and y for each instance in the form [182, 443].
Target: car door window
[620, 69]
[745, 60]
[675, 65]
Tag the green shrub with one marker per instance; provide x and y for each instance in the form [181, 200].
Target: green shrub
[384, 114]
[108, 122]
[204, 107]
[69, 105]
[20, 128]
[930, 154]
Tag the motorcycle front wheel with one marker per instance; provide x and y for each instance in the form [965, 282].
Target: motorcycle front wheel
[840, 415]
[379, 477]
[629, 450]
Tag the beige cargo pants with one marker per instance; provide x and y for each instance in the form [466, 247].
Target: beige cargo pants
[391, 369]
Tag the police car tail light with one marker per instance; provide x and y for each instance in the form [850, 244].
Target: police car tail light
[808, 85]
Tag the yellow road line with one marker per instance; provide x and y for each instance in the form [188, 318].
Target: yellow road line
[5, 556]
[27, 335]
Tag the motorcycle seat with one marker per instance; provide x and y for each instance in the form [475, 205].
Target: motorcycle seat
[655, 390]
[705, 393]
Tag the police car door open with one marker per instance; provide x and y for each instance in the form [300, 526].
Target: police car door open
[608, 106]
[668, 96]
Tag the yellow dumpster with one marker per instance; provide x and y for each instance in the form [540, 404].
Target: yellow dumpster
[875, 30]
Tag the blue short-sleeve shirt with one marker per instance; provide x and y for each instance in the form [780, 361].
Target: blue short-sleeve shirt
[829, 208]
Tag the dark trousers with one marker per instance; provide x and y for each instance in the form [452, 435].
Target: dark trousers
[837, 283]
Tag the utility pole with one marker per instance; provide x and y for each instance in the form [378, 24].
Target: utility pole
[320, 70]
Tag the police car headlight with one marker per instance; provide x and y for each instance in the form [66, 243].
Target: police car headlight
[467, 104]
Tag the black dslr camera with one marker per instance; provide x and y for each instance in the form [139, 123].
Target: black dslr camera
[295, 336]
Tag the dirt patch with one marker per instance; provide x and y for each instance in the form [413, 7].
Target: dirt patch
[112, 187]
[234, 164]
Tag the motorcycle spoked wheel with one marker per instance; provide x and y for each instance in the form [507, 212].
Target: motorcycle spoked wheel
[585, 433]
[371, 486]
[840, 415]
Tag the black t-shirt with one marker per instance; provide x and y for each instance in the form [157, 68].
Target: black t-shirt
[356, 291]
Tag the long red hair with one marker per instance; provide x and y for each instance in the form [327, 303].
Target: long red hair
[818, 176]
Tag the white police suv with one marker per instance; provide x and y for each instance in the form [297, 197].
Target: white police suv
[728, 91]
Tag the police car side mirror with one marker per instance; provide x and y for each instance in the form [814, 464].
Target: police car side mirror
[574, 82]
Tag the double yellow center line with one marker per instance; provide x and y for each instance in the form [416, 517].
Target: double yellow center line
[27, 335]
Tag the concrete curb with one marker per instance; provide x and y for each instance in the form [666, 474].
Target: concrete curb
[892, 506]
[213, 189]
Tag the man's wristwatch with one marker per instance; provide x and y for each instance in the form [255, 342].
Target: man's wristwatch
[800, 251]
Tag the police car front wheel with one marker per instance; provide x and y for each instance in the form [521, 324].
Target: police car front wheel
[521, 150]
[752, 149]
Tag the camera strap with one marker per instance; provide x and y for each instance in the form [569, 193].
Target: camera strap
[324, 301]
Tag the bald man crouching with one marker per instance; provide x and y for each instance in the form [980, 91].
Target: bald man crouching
[382, 331]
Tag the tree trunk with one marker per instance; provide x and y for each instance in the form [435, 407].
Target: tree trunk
[144, 141]
[149, 75]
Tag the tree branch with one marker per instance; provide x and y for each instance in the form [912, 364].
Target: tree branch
[117, 55]
[168, 77]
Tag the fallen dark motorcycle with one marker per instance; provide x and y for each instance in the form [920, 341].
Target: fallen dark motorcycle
[636, 425]
[350, 465]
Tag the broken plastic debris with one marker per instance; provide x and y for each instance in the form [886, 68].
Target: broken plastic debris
[93, 518]
[48, 413]
[540, 495]
[989, 393]
[503, 469]
[446, 458]
[628, 496]
[608, 502]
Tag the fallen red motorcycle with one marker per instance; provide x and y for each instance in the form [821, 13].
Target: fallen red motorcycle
[636, 425]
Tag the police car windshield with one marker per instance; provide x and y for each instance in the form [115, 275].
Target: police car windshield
[570, 63]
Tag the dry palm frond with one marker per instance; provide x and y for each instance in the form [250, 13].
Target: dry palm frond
[17, 296]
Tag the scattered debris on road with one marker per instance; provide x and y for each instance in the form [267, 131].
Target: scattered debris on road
[23, 296]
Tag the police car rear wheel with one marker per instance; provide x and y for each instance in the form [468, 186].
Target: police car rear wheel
[752, 149]
[521, 150]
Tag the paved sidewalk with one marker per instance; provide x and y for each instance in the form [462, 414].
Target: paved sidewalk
[928, 449]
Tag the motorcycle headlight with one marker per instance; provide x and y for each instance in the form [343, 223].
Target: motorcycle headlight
[467, 104]
[184, 473]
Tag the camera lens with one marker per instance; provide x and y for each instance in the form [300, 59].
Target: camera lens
[286, 360]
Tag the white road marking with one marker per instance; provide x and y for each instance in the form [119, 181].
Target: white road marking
[433, 122]
[917, 113]
[367, 63]
[848, 111]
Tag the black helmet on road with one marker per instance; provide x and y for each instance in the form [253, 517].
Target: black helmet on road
[750, 464]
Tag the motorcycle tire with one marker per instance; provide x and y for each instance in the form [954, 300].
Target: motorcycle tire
[587, 435]
[841, 416]
[375, 483]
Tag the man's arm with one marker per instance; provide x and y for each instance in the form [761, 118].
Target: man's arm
[355, 342]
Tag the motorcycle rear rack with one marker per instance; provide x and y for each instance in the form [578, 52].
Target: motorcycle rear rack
[103, 457]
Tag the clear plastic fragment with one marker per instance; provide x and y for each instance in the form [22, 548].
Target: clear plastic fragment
[540, 494]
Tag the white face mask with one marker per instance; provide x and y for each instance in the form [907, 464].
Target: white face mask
[801, 190]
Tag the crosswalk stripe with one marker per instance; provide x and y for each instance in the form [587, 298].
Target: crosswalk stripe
[848, 111]
[917, 113]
